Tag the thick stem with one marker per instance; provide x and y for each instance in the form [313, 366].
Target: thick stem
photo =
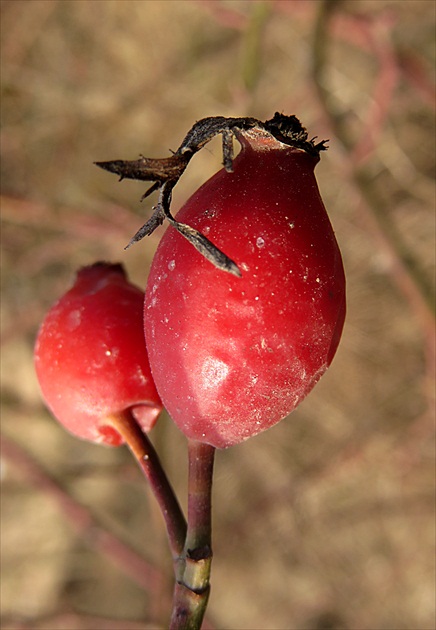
[192, 588]
[148, 461]
[201, 459]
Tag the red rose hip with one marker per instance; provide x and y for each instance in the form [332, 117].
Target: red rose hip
[91, 359]
[232, 356]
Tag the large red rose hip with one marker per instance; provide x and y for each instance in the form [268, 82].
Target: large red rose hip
[91, 359]
[232, 356]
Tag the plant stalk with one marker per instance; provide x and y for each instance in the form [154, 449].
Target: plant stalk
[192, 588]
[148, 460]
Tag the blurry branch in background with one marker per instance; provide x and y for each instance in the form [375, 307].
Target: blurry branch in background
[251, 25]
[81, 518]
[72, 619]
[83, 521]
[251, 45]
[226, 15]
[404, 268]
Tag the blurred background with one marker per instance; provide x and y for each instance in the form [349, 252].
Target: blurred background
[327, 520]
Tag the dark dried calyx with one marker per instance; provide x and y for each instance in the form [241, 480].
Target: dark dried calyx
[166, 172]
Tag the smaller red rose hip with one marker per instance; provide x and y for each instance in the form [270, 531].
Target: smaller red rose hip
[90, 356]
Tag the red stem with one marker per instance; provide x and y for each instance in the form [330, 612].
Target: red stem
[148, 460]
[201, 460]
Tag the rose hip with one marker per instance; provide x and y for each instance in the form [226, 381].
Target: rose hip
[231, 356]
[91, 359]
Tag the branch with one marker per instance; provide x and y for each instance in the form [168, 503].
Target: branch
[407, 273]
[82, 520]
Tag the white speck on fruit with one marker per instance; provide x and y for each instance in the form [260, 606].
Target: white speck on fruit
[244, 267]
[210, 212]
[74, 319]
[260, 242]
[317, 280]
[139, 376]
[206, 230]
[172, 265]
[145, 457]
[213, 372]
[292, 225]
[108, 353]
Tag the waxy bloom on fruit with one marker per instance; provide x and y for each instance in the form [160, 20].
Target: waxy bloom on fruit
[91, 359]
[231, 356]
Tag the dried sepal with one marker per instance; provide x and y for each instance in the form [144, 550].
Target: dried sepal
[166, 172]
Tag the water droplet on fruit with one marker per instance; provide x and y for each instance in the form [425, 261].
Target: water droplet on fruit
[172, 265]
[206, 230]
[260, 242]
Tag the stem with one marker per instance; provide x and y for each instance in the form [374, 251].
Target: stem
[192, 588]
[148, 460]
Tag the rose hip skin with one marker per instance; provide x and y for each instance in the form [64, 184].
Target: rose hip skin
[91, 359]
[232, 356]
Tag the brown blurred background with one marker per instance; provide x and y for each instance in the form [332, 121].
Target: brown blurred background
[327, 520]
